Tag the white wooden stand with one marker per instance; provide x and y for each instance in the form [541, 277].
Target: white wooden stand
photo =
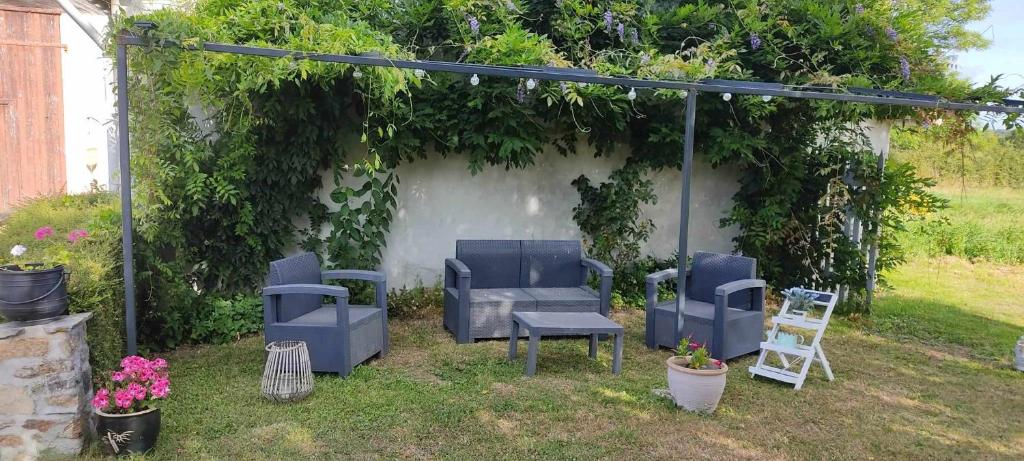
[799, 355]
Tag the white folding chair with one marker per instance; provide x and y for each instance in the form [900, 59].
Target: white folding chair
[798, 355]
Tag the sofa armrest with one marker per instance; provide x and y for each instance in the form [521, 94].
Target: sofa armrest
[456, 273]
[368, 276]
[738, 285]
[598, 267]
[661, 276]
[306, 289]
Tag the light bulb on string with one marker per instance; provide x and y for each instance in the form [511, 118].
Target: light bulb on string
[531, 84]
[938, 122]
[684, 93]
[726, 96]
[474, 80]
[419, 73]
[766, 98]
[632, 94]
[357, 73]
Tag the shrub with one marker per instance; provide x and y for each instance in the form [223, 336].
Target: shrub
[409, 302]
[94, 262]
[227, 319]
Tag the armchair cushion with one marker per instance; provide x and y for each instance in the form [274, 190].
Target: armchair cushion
[711, 270]
[326, 316]
[300, 269]
[493, 263]
[550, 264]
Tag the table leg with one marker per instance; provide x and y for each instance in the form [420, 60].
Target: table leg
[617, 359]
[513, 341]
[531, 355]
[593, 346]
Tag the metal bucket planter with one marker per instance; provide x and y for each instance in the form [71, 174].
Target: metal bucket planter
[695, 390]
[123, 435]
[33, 296]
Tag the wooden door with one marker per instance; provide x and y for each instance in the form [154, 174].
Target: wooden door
[31, 105]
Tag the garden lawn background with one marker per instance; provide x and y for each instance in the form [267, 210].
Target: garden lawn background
[927, 376]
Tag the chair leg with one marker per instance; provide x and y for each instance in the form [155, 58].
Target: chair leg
[513, 341]
[593, 346]
[531, 355]
[617, 358]
[824, 362]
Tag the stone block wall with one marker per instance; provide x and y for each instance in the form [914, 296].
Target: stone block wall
[45, 388]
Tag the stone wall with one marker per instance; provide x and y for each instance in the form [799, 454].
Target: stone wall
[45, 388]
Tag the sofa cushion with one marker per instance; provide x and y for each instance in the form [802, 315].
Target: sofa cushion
[574, 299]
[551, 263]
[325, 316]
[492, 263]
[492, 308]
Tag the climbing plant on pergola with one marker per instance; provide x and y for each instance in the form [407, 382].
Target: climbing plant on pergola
[545, 73]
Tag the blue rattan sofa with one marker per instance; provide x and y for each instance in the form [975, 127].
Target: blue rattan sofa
[724, 306]
[338, 336]
[487, 280]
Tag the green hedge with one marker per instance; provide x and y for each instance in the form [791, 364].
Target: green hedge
[94, 262]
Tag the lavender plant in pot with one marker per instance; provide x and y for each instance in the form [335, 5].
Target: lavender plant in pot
[695, 380]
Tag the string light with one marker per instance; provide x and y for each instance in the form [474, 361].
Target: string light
[684, 93]
[357, 73]
[726, 96]
[474, 80]
[766, 98]
[531, 84]
[420, 73]
[632, 94]
[938, 122]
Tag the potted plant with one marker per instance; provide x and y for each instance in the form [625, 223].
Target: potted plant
[34, 292]
[696, 381]
[126, 419]
[801, 302]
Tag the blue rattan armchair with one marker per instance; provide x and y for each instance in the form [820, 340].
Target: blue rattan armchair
[724, 306]
[338, 336]
[489, 279]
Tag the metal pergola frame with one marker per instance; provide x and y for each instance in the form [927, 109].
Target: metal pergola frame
[857, 95]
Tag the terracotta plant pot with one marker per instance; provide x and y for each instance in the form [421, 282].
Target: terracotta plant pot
[122, 435]
[695, 390]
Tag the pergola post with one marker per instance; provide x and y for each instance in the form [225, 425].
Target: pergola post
[124, 154]
[684, 210]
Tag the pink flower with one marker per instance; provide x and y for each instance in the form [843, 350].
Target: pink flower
[117, 376]
[77, 235]
[137, 390]
[43, 232]
[161, 387]
[123, 398]
[718, 363]
[101, 399]
[159, 364]
[694, 346]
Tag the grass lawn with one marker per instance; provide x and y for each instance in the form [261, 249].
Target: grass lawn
[927, 378]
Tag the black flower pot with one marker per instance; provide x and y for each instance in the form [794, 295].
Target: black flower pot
[122, 435]
[32, 296]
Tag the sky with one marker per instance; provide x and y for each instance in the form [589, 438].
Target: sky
[1005, 28]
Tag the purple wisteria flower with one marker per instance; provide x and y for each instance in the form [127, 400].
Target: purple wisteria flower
[521, 93]
[859, 9]
[644, 58]
[621, 30]
[711, 63]
[892, 34]
[905, 68]
[869, 31]
[563, 87]
[608, 19]
[755, 42]
[634, 36]
[474, 25]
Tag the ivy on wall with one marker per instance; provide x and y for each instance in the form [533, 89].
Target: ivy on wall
[230, 148]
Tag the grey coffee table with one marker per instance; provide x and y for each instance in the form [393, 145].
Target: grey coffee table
[541, 324]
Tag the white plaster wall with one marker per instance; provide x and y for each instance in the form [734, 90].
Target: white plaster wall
[89, 136]
[440, 202]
